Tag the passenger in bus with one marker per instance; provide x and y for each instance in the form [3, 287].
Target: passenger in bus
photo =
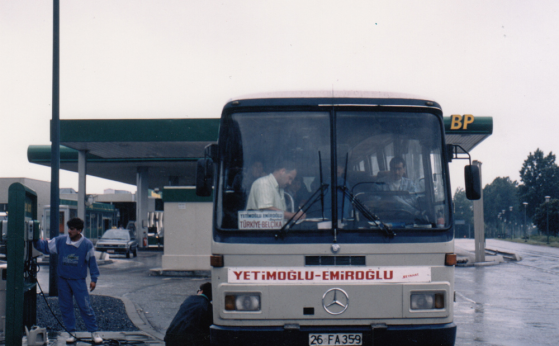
[343, 198]
[191, 324]
[267, 193]
[243, 181]
[298, 192]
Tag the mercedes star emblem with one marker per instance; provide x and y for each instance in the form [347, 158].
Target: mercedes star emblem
[335, 301]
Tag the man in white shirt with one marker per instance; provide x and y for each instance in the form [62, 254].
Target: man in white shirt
[267, 192]
[395, 180]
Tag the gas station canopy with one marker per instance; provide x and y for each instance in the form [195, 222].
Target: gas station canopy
[169, 148]
[116, 149]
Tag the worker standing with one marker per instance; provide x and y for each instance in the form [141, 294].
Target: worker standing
[76, 255]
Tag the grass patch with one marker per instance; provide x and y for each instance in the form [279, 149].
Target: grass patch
[540, 240]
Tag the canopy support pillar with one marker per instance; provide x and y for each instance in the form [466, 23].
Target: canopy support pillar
[82, 172]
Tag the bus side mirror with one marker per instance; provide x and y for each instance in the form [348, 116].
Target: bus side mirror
[211, 151]
[473, 182]
[204, 177]
[449, 152]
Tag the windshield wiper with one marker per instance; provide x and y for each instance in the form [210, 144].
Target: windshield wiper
[312, 199]
[366, 212]
[319, 193]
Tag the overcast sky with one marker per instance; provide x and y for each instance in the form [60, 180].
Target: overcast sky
[186, 59]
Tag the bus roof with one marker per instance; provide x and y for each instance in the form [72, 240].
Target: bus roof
[330, 94]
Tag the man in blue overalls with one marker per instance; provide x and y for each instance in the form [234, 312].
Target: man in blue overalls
[75, 255]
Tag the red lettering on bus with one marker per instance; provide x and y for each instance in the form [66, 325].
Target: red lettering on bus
[359, 275]
[391, 275]
[238, 274]
[335, 275]
[271, 276]
[349, 275]
[370, 275]
[309, 275]
[246, 275]
[281, 275]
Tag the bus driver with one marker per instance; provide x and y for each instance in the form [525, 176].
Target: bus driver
[267, 192]
[395, 180]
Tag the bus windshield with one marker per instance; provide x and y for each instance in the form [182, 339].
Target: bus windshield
[387, 170]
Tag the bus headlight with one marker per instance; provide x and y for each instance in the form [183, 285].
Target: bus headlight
[427, 301]
[242, 302]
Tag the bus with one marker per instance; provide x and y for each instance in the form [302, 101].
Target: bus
[377, 269]
[98, 218]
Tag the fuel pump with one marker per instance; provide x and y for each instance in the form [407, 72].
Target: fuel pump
[21, 290]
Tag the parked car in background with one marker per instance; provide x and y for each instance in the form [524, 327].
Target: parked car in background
[118, 241]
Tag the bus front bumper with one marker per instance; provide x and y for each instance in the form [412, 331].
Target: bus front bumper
[417, 335]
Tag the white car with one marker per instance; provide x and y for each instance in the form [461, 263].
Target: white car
[118, 241]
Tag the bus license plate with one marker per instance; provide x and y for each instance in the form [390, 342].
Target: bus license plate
[335, 339]
[110, 251]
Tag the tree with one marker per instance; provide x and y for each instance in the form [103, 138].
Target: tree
[540, 177]
[541, 217]
[463, 207]
[500, 195]
[463, 210]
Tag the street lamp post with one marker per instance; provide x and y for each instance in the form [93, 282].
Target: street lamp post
[525, 231]
[547, 215]
[510, 222]
[504, 223]
[499, 221]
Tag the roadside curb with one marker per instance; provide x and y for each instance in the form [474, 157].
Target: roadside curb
[102, 259]
[493, 260]
[466, 258]
[130, 338]
[508, 255]
[139, 320]
[180, 273]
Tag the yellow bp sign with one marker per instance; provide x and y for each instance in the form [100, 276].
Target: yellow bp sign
[458, 122]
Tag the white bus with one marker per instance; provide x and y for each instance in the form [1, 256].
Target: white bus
[376, 270]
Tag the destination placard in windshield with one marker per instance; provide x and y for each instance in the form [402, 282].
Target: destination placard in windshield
[260, 219]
